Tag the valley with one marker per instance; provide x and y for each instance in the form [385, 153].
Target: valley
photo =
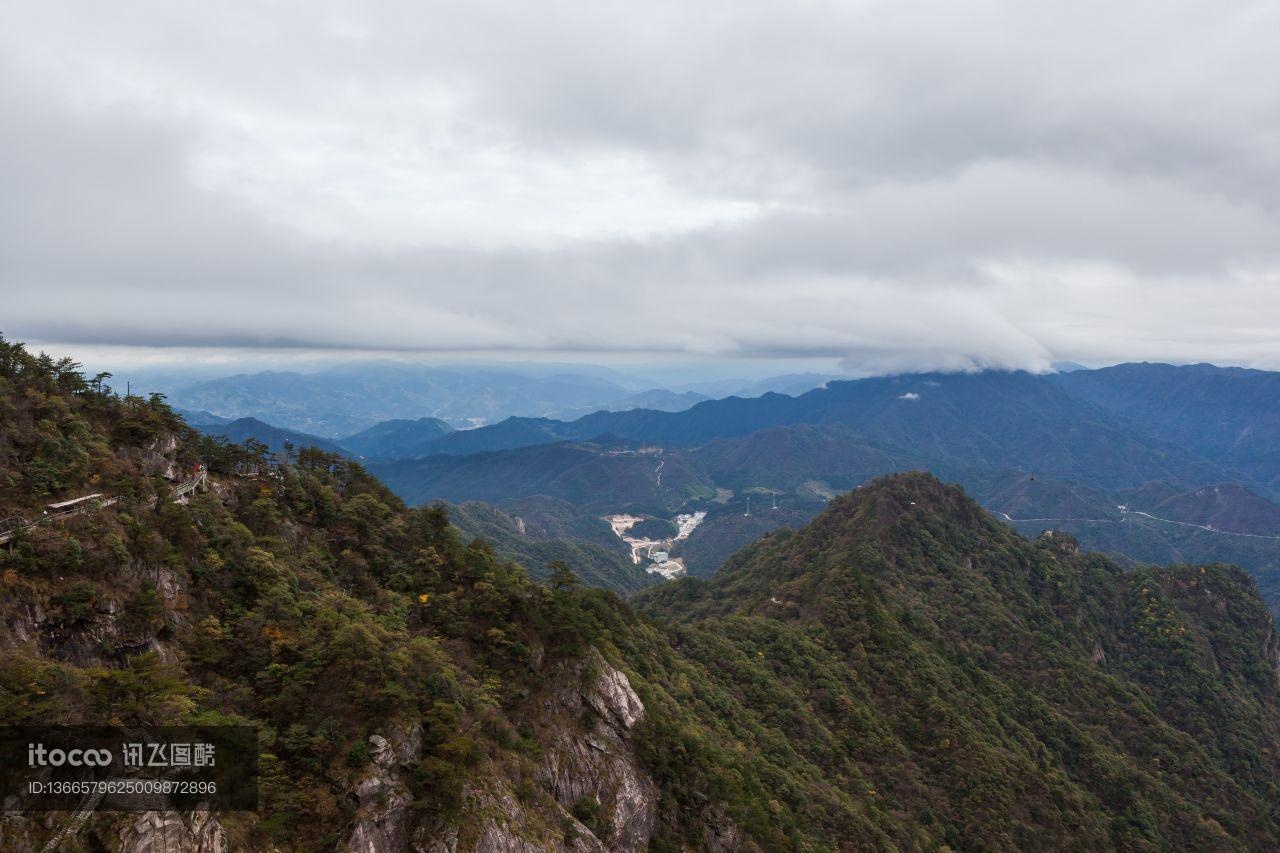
[655, 554]
[872, 666]
[1023, 445]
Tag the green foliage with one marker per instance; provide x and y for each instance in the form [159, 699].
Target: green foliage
[905, 668]
[903, 672]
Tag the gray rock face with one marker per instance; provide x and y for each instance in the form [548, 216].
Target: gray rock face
[158, 457]
[722, 835]
[613, 699]
[510, 827]
[597, 766]
[171, 832]
[600, 765]
[382, 823]
[22, 624]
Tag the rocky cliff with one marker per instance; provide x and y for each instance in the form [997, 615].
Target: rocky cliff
[590, 793]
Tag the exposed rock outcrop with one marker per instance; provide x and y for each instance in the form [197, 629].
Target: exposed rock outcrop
[22, 623]
[509, 826]
[172, 832]
[383, 822]
[600, 765]
[593, 796]
[722, 835]
[159, 457]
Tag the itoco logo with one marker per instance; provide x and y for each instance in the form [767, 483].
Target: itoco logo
[39, 756]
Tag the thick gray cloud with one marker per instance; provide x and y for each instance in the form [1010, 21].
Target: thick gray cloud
[893, 185]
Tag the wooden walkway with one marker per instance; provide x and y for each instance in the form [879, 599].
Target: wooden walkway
[62, 510]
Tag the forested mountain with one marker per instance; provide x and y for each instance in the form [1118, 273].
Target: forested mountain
[511, 434]
[594, 477]
[902, 673]
[980, 420]
[1229, 415]
[1034, 449]
[955, 657]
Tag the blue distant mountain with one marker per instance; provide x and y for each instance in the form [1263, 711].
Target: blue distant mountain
[1187, 451]
[397, 439]
[1230, 415]
[275, 438]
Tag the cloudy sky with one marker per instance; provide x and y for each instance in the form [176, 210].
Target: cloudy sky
[881, 185]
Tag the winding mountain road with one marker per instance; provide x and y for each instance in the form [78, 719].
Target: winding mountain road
[1208, 528]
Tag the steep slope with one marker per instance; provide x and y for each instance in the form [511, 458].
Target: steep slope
[902, 673]
[396, 439]
[1230, 415]
[409, 690]
[949, 682]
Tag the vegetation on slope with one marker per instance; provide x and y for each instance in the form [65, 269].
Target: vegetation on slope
[903, 672]
[313, 604]
[907, 668]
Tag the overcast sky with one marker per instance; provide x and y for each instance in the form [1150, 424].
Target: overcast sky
[886, 185]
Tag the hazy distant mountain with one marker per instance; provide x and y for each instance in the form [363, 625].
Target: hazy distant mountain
[350, 398]
[274, 437]
[996, 420]
[657, 399]
[787, 383]
[1025, 445]
[201, 418]
[512, 433]
[791, 384]
[1227, 414]
[346, 399]
[396, 439]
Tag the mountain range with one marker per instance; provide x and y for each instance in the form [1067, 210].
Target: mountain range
[901, 671]
[1148, 462]
[1229, 415]
[1056, 450]
[347, 398]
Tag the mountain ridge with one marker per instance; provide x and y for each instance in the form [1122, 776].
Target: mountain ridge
[904, 671]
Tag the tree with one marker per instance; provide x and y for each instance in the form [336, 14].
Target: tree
[562, 577]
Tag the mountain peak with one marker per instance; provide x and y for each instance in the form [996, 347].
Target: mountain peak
[911, 497]
[907, 532]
